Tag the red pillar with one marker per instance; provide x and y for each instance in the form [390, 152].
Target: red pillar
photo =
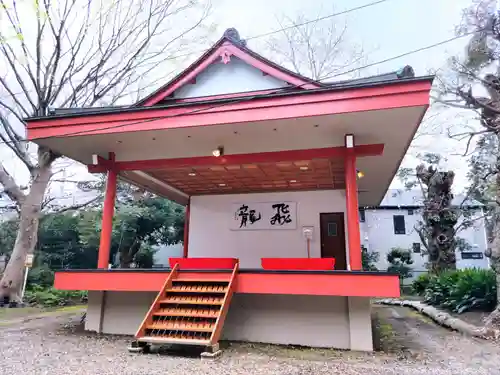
[186, 230]
[107, 220]
[352, 206]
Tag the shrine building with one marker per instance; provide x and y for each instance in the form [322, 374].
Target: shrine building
[271, 167]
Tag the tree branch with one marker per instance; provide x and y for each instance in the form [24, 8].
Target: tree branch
[10, 187]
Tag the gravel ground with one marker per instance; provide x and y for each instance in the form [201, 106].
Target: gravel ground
[55, 345]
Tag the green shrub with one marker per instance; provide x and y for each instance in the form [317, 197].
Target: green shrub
[420, 284]
[41, 275]
[400, 261]
[50, 297]
[438, 291]
[369, 259]
[462, 290]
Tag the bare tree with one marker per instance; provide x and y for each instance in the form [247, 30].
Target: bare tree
[474, 83]
[316, 49]
[71, 53]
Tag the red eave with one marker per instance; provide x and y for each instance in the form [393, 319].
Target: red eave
[356, 284]
[274, 107]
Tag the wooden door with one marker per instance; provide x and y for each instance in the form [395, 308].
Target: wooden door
[332, 232]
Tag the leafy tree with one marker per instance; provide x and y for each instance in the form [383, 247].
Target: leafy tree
[8, 230]
[75, 54]
[148, 221]
[400, 261]
[440, 217]
[71, 240]
[144, 257]
[473, 83]
[482, 177]
[369, 259]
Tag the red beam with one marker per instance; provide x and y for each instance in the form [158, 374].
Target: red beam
[237, 159]
[107, 219]
[334, 284]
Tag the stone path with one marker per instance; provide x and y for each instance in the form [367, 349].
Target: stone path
[55, 345]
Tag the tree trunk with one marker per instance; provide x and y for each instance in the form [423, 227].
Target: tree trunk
[127, 255]
[439, 218]
[27, 235]
[493, 321]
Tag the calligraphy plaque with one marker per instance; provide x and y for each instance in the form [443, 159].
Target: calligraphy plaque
[277, 215]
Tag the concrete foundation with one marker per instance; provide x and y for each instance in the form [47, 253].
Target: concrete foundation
[316, 321]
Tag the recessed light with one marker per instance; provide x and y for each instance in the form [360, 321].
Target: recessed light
[222, 185]
[192, 174]
[304, 168]
[293, 181]
[219, 151]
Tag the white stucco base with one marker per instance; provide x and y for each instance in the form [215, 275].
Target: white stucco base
[316, 321]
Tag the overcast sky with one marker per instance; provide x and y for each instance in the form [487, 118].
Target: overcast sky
[385, 30]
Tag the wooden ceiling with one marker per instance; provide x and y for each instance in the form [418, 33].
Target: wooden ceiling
[316, 174]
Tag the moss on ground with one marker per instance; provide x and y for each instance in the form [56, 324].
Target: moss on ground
[8, 315]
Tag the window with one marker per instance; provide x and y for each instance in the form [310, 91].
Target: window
[332, 229]
[416, 247]
[362, 215]
[410, 211]
[399, 224]
[472, 255]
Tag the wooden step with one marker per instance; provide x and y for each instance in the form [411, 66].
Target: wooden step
[187, 311]
[166, 340]
[207, 279]
[193, 300]
[197, 289]
[190, 313]
[182, 326]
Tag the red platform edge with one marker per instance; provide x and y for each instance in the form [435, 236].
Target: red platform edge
[203, 263]
[303, 264]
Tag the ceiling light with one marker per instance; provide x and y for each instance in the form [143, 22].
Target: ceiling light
[304, 168]
[192, 174]
[292, 181]
[359, 173]
[222, 184]
[219, 151]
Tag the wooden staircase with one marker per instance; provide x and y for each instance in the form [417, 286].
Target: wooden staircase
[188, 312]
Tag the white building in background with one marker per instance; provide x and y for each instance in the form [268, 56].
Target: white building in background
[392, 224]
[165, 252]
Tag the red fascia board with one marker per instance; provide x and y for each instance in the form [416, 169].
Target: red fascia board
[341, 284]
[185, 79]
[273, 108]
[238, 159]
[272, 71]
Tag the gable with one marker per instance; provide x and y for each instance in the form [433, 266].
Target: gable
[235, 76]
[228, 68]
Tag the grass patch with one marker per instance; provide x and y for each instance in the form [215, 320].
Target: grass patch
[14, 314]
[383, 335]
